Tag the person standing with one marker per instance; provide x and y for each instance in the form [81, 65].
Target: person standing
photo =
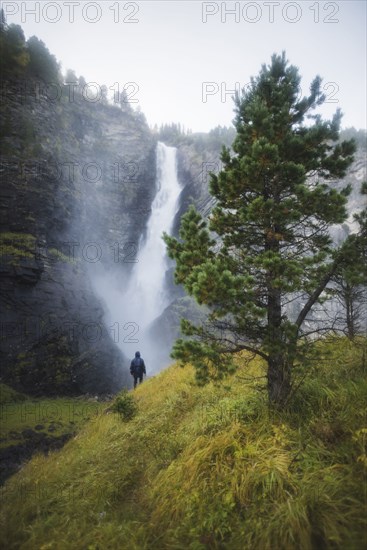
[137, 368]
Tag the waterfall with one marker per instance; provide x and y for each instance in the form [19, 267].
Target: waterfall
[146, 291]
[132, 305]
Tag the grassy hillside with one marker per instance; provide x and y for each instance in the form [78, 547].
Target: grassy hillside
[29, 425]
[207, 467]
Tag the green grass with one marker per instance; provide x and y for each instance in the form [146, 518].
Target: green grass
[53, 417]
[207, 467]
[17, 245]
[9, 395]
[57, 255]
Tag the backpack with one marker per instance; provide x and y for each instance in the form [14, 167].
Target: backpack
[137, 366]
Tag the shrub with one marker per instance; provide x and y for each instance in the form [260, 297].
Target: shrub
[125, 405]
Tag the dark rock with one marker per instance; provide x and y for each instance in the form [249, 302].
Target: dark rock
[73, 199]
[13, 457]
[29, 433]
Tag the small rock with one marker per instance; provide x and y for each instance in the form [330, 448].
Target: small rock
[28, 433]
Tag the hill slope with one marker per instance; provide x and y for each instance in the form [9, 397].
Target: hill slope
[207, 467]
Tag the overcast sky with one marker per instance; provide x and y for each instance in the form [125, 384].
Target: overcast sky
[179, 60]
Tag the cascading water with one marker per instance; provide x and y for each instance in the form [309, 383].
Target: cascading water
[146, 294]
[130, 309]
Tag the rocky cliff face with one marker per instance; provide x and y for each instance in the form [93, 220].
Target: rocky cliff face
[77, 181]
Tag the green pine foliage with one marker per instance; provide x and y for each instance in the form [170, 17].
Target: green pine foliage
[208, 467]
[13, 53]
[267, 239]
[42, 64]
[19, 58]
[350, 280]
[359, 136]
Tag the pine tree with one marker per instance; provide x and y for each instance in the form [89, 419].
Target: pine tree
[14, 56]
[42, 64]
[350, 280]
[266, 242]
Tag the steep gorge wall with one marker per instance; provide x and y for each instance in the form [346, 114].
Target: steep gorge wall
[77, 181]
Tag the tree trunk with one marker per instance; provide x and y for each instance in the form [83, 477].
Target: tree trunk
[279, 363]
[279, 379]
[348, 295]
[279, 373]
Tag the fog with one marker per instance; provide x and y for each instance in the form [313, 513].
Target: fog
[133, 301]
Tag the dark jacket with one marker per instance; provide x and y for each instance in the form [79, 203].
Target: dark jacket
[137, 367]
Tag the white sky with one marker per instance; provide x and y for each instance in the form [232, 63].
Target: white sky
[167, 50]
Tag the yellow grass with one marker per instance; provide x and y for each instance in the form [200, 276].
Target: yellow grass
[206, 467]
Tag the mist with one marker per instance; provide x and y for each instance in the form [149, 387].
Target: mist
[134, 300]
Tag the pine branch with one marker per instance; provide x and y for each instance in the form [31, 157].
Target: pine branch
[318, 290]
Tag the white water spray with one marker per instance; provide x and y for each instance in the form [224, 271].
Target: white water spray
[146, 295]
[130, 309]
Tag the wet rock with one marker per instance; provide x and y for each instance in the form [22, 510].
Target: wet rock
[13, 457]
[29, 433]
[73, 199]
